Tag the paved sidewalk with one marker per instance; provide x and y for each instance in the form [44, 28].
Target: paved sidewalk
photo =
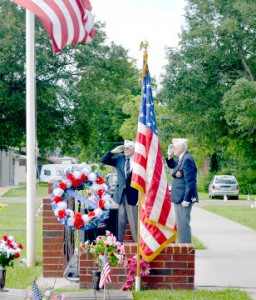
[229, 260]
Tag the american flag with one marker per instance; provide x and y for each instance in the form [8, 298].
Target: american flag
[36, 294]
[105, 273]
[156, 216]
[67, 22]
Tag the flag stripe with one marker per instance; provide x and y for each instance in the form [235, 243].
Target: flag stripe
[156, 216]
[67, 22]
[105, 273]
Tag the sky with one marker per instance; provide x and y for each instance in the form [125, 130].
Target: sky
[128, 22]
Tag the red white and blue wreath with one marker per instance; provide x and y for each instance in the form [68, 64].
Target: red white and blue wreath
[97, 209]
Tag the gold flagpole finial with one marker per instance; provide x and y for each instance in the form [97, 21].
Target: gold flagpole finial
[144, 45]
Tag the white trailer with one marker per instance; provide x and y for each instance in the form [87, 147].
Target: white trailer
[56, 171]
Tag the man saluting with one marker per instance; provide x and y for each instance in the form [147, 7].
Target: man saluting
[184, 190]
[121, 158]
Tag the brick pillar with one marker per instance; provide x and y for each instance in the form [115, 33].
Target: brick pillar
[54, 261]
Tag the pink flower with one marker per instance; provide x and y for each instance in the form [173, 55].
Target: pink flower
[127, 285]
[131, 274]
[144, 268]
[131, 265]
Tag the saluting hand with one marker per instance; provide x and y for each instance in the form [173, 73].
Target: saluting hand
[118, 149]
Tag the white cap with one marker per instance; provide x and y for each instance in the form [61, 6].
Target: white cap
[129, 143]
[179, 142]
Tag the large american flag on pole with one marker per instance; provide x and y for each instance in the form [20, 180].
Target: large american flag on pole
[105, 273]
[156, 215]
[66, 21]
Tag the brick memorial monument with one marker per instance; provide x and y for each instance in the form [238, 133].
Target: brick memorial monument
[173, 268]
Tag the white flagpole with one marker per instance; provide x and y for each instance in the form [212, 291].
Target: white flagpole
[30, 138]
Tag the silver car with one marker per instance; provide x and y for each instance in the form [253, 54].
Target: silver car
[111, 180]
[222, 185]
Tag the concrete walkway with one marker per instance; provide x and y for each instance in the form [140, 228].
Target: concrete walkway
[229, 260]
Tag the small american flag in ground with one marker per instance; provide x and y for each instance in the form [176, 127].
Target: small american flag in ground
[105, 273]
[67, 22]
[156, 216]
[36, 294]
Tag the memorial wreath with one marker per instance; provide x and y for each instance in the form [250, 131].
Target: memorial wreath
[96, 208]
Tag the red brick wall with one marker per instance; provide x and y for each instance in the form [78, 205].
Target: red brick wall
[173, 268]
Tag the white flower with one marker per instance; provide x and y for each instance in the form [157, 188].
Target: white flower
[71, 221]
[70, 212]
[10, 251]
[104, 186]
[107, 197]
[62, 205]
[58, 192]
[86, 219]
[95, 187]
[67, 182]
[56, 211]
[86, 169]
[47, 293]
[92, 176]
[98, 212]
[107, 205]
[77, 174]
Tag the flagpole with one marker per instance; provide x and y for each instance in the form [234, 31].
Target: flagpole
[137, 277]
[30, 137]
[143, 45]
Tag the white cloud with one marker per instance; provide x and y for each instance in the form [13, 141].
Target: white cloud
[128, 22]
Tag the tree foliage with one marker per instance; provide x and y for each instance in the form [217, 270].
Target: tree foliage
[209, 84]
[79, 92]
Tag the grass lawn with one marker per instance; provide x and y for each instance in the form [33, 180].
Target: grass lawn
[13, 222]
[41, 191]
[244, 215]
[226, 294]
[204, 196]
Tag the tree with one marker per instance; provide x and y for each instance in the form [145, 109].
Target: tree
[216, 48]
[79, 92]
[12, 78]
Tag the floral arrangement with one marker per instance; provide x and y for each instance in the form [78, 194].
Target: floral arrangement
[98, 205]
[131, 265]
[9, 250]
[106, 245]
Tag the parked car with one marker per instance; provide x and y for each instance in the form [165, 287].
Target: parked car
[222, 185]
[111, 180]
